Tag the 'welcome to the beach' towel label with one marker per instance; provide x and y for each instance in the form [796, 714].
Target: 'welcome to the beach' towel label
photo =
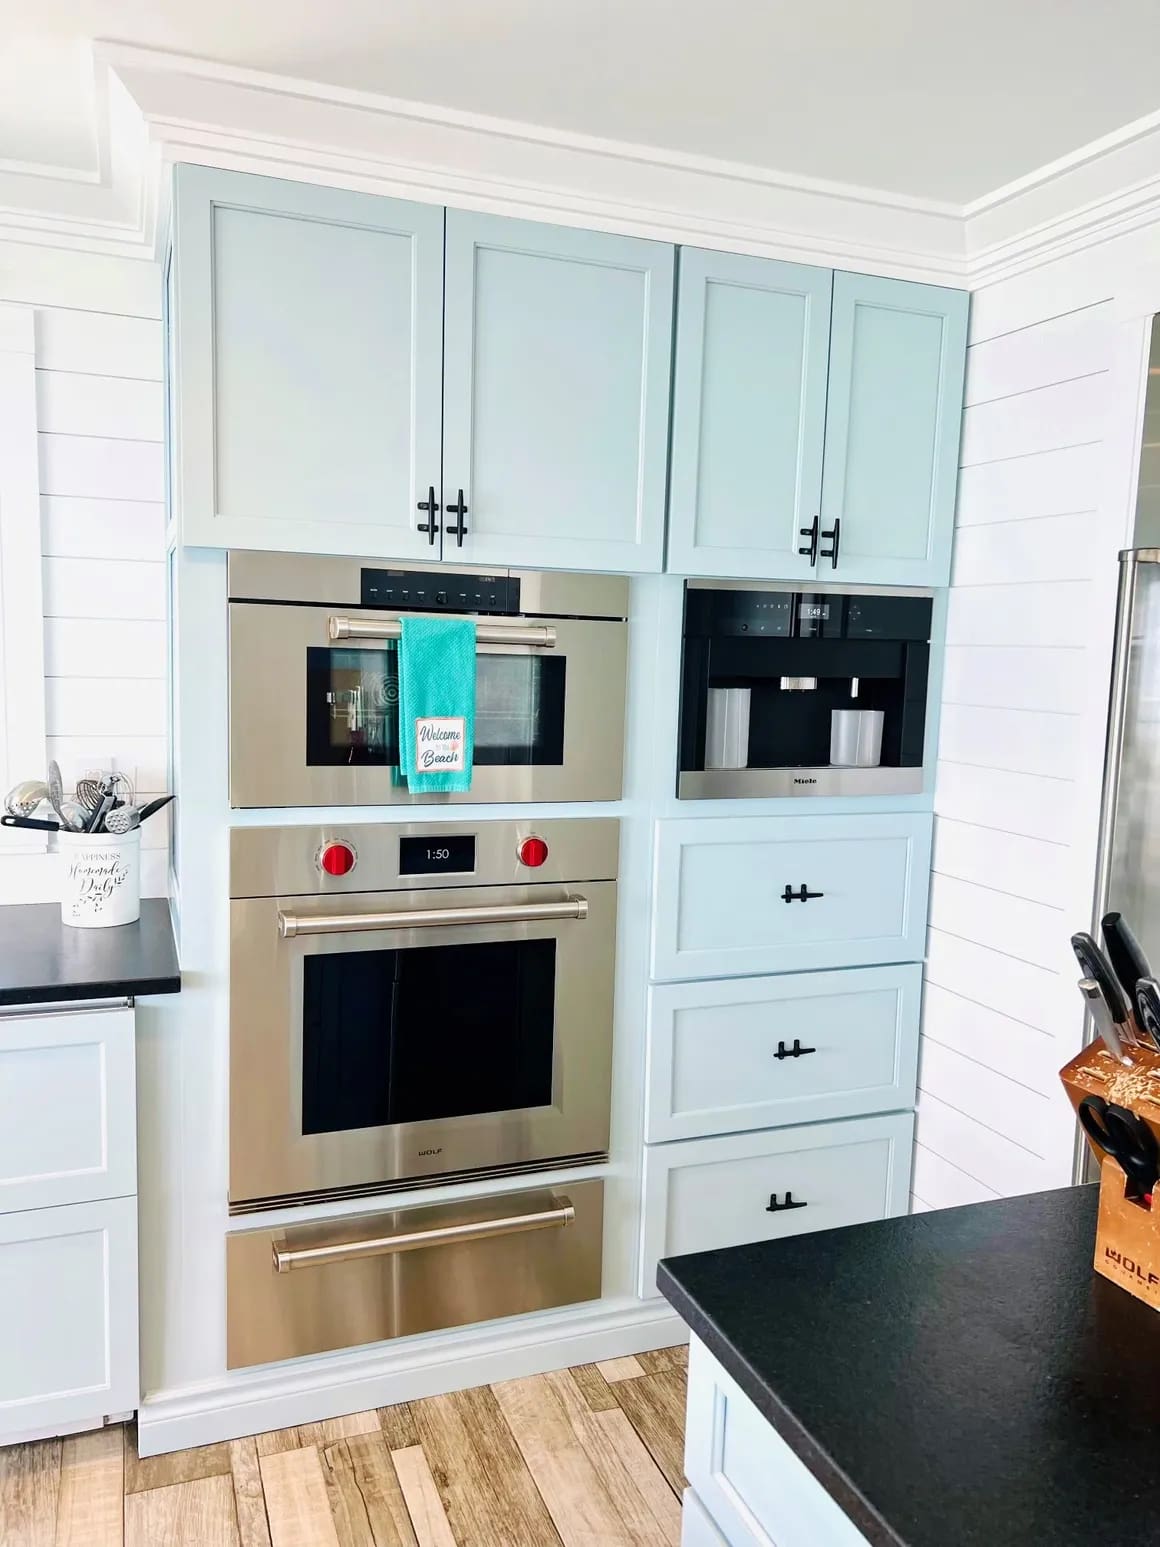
[440, 744]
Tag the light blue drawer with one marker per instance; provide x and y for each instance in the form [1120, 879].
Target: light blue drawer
[703, 1194]
[720, 888]
[721, 1055]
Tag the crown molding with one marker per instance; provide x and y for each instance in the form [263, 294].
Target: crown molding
[157, 108]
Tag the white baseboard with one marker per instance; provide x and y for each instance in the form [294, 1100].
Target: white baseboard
[250, 1402]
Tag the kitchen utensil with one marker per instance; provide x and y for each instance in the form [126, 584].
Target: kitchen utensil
[1148, 1009]
[1127, 1138]
[856, 738]
[23, 798]
[1124, 953]
[56, 790]
[146, 811]
[90, 793]
[1102, 1018]
[1094, 964]
[727, 728]
[75, 816]
[122, 819]
[97, 820]
[8, 820]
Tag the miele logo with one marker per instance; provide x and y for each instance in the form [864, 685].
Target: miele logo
[438, 1151]
[796, 780]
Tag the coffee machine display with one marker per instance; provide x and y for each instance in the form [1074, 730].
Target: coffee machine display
[802, 692]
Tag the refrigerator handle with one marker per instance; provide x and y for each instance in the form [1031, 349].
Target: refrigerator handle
[1117, 712]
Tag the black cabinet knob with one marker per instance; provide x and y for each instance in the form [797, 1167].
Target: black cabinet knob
[459, 509]
[832, 537]
[774, 1207]
[811, 547]
[803, 894]
[797, 1051]
[430, 526]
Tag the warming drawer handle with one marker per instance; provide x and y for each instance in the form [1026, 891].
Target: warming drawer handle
[542, 636]
[287, 1258]
[292, 924]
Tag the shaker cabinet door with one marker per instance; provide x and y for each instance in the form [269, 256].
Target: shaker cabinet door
[556, 395]
[306, 337]
[749, 416]
[897, 360]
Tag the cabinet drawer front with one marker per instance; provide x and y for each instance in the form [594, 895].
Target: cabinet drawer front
[68, 1119]
[751, 1483]
[697, 1528]
[713, 1050]
[368, 1277]
[701, 1194]
[68, 1315]
[720, 889]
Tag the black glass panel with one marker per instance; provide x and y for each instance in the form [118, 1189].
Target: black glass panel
[352, 708]
[432, 1032]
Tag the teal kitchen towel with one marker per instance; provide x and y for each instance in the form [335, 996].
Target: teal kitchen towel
[436, 703]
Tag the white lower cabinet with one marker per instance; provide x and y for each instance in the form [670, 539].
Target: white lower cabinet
[747, 1488]
[701, 1194]
[68, 1316]
[68, 1220]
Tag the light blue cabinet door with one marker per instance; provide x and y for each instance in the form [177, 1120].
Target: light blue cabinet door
[306, 339]
[893, 419]
[749, 415]
[556, 394]
[721, 906]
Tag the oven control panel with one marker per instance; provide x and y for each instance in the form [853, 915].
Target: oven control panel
[366, 857]
[416, 589]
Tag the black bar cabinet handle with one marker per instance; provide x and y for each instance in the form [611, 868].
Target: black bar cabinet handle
[430, 526]
[797, 1051]
[832, 537]
[803, 894]
[459, 509]
[811, 547]
[774, 1207]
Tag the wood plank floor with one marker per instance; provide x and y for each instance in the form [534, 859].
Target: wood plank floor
[589, 1457]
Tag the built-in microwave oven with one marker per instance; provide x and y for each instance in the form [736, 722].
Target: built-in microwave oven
[810, 692]
[313, 681]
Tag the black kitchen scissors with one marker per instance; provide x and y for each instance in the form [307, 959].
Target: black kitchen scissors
[1127, 1138]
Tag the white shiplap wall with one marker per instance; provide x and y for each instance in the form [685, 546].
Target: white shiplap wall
[98, 361]
[1021, 742]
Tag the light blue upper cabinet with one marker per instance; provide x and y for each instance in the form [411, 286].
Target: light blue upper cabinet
[893, 418]
[556, 395]
[306, 344]
[749, 415]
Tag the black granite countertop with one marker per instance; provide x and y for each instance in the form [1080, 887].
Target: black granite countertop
[955, 1379]
[43, 961]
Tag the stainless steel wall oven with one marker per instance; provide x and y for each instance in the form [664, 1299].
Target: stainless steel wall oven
[314, 684]
[410, 1001]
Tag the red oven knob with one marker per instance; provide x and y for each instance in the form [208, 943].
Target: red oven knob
[533, 852]
[337, 859]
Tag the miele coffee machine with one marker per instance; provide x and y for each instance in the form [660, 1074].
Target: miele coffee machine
[802, 692]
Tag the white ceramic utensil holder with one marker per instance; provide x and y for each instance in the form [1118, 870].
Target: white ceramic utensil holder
[100, 879]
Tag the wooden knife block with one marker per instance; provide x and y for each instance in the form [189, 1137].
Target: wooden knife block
[1127, 1233]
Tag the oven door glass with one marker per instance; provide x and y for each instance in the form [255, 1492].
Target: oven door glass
[409, 1036]
[352, 708]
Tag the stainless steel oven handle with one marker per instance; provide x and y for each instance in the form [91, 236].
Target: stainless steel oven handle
[540, 635]
[291, 924]
[286, 1258]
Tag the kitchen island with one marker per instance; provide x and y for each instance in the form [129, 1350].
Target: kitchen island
[951, 1379]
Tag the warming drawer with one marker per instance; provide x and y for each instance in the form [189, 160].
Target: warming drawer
[367, 1277]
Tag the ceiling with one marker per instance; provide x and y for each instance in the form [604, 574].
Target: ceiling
[944, 100]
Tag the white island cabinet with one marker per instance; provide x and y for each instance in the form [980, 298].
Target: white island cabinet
[68, 1219]
[746, 1486]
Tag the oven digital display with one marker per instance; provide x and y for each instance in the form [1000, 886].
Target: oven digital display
[813, 612]
[437, 856]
